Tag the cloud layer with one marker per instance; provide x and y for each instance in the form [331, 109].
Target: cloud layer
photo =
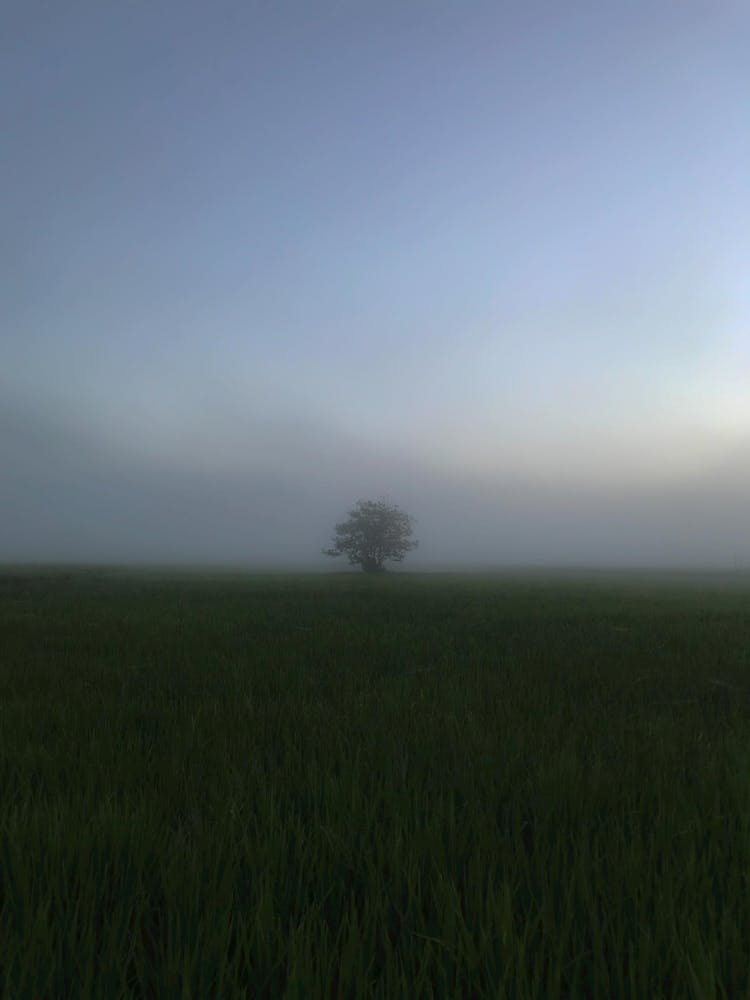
[73, 497]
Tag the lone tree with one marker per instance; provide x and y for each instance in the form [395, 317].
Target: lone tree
[375, 531]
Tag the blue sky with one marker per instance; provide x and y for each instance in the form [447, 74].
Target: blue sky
[487, 259]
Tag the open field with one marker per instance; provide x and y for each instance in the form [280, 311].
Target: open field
[401, 786]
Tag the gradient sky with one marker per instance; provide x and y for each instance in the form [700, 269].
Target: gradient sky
[489, 260]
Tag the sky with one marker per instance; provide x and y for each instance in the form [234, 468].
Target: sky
[259, 260]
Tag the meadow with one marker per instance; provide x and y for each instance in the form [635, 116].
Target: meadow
[509, 786]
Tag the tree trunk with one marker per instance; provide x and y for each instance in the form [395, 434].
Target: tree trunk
[372, 566]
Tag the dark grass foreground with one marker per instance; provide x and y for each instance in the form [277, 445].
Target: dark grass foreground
[395, 787]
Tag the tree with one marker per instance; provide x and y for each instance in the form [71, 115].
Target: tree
[374, 532]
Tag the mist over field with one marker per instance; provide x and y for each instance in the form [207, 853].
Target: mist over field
[487, 261]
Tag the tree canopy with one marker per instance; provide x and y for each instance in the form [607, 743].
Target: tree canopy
[374, 533]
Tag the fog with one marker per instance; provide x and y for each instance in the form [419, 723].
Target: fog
[487, 262]
[74, 496]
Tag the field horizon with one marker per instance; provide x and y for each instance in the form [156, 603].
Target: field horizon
[499, 570]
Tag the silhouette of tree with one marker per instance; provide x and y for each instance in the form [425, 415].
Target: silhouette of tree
[374, 533]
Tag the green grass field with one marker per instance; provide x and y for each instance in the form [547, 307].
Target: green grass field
[402, 786]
